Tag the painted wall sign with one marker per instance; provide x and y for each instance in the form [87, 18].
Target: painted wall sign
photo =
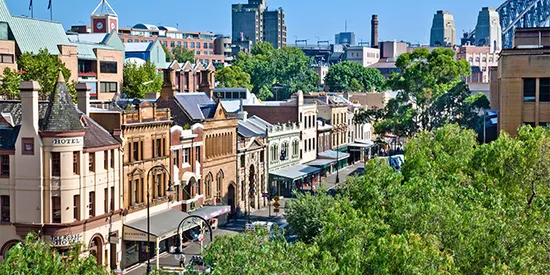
[66, 141]
[66, 240]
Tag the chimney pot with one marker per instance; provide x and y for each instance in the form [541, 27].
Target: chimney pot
[83, 97]
[29, 104]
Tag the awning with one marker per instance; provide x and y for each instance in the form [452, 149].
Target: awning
[323, 163]
[163, 225]
[333, 155]
[209, 212]
[365, 141]
[360, 145]
[294, 172]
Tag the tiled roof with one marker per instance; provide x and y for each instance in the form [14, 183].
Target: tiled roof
[97, 136]
[61, 116]
[192, 103]
[137, 47]
[254, 126]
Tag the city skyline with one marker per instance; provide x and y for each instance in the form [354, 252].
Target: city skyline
[304, 20]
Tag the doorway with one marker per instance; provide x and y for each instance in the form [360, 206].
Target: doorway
[96, 249]
[231, 197]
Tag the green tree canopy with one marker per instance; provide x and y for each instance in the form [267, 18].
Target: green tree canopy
[353, 77]
[233, 77]
[33, 256]
[10, 83]
[183, 55]
[141, 79]
[167, 52]
[43, 67]
[457, 207]
[287, 67]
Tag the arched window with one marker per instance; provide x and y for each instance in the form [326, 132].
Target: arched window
[219, 182]
[208, 185]
[284, 151]
[295, 148]
[274, 152]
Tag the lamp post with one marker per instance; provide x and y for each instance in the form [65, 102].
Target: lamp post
[276, 87]
[170, 194]
[337, 161]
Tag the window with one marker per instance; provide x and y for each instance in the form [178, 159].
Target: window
[242, 161]
[284, 150]
[544, 90]
[198, 53]
[205, 45]
[192, 45]
[529, 89]
[158, 148]
[135, 188]
[208, 185]
[186, 155]
[56, 209]
[106, 200]
[76, 163]
[179, 43]
[197, 154]
[6, 58]
[5, 208]
[113, 159]
[175, 159]
[185, 44]
[105, 160]
[165, 43]
[5, 165]
[91, 162]
[56, 164]
[130, 41]
[108, 67]
[108, 87]
[210, 45]
[92, 203]
[274, 152]
[76, 207]
[295, 148]
[135, 151]
[28, 146]
[112, 207]
[172, 44]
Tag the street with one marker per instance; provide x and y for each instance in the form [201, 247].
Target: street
[237, 225]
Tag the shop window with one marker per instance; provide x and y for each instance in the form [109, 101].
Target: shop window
[5, 165]
[56, 164]
[91, 162]
[91, 204]
[76, 207]
[56, 209]
[108, 67]
[544, 90]
[529, 89]
[5, 208]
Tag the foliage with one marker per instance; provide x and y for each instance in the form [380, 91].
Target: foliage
[431, 93]
[10, 83]
[141, 79]
[456, 208]
[43, 67]
[353, 77]
[183, 55]
[287, 67]
[233, 77]
[34, 256]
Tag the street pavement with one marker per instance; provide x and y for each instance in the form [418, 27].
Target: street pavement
[236, 226]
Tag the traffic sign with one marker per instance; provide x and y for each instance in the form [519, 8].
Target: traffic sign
[276, 205]
[276, 210]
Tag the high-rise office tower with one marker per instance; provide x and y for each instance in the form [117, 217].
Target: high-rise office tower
[255, 23]
[443, 33]
[488, 30]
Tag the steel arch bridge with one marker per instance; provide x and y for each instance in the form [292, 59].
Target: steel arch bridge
[521, 13]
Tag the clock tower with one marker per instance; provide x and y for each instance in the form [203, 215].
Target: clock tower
[104, 18]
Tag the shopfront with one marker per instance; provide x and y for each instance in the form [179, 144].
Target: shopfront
[326, 168]
[360, 151]
[163, 235]
[216, 215]
[342, 158]
[296, 177]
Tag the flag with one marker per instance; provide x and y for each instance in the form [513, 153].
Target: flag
[50, 4]
[30, 5]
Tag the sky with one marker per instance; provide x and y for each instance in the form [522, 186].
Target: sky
[312, 20]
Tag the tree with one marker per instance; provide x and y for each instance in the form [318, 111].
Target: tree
[183, 55]
[353, 77]
[233, 77]
[10, 83]
[456, 207]
[141, 79]
[44, 68]
[33, 256]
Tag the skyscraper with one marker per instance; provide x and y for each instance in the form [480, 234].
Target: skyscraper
[255, 23]
[488, 30]
[443, 33]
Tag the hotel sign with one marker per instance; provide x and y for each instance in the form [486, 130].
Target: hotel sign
[66, 240]
[66, 141]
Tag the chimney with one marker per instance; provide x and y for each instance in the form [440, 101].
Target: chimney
[169, 87]
[83, 97]
[29, 104]
[242, 114]
[374, 31]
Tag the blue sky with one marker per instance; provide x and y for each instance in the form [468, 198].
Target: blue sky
[408, 20]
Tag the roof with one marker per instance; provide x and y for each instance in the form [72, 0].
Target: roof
[193, 103]
[321, 162]
[146, 26]
[253, 126]
[88, 37]
[160, 223]
[137, 47]
[333, 154]
[8, 137]
[86, 50]
[61, 115]
[294, 172]
[209, 212]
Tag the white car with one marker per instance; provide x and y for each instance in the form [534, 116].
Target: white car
[253, 225]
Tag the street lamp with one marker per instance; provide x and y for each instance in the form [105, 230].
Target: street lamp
[276, 87]
[170, 192]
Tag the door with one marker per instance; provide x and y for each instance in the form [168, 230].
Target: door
[113, 256]
[231, 197]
